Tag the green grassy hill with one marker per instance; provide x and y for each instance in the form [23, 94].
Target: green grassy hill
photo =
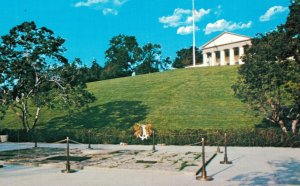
[194, 98]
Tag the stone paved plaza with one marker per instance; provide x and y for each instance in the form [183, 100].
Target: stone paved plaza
[117, 165]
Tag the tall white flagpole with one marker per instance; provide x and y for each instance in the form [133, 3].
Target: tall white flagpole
[194, 35]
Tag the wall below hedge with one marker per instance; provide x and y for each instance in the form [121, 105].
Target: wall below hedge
[253, 137]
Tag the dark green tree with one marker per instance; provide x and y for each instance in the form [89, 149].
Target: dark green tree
[150, 59]
[292, 28]
[121, 56]
[269, 81]
[35, 74]
[166, 64]
[185, 57]
[95, 72]
[3, 104]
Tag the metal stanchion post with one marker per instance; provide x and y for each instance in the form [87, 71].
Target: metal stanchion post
[203, 176]
[89, 139]
[218, 149]
[34, 138]
[225, 154]
[153, 142]
[68, 166]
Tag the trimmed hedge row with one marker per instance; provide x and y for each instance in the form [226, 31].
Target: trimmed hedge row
[245, 137]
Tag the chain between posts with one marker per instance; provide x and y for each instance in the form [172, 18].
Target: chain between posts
[212, 137]
[61, 141]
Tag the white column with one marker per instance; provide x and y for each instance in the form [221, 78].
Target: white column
[204, 59]
[222, 56]
[231, 56]
[213, 59]
[241, 53]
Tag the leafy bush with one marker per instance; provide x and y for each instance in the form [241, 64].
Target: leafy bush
[247, 137]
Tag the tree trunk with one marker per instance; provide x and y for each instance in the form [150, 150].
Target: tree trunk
[25, 116]
[294, 125]
[281, 123]
[37, 114]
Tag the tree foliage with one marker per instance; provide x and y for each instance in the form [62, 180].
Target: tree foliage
[150, 59]
[269, 81]
[35, 74]
[122, 54]
[95, 71]
[125, 57]
[185, 57]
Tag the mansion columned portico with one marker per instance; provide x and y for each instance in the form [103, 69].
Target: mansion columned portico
[225, 49]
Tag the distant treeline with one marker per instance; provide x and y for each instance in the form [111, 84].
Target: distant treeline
[125, 58]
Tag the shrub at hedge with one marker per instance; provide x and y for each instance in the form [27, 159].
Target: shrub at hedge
[250, 137]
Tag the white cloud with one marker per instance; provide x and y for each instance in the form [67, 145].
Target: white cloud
[223, 25]
[89, 3]
[110, 11]
[271, 12]
[185, 30]
[183, 19]
[108, 7]
[218, 11]
[174, 20]
[119, 2]
[198, 15]
[180, 11]
[170, 21]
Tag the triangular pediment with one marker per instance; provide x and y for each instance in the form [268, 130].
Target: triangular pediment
[225, 38]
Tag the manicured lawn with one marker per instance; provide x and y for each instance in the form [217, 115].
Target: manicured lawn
[194, 98]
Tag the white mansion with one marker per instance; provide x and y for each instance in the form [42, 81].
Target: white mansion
[225, 49]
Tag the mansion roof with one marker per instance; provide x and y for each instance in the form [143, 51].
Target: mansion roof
[224, 39]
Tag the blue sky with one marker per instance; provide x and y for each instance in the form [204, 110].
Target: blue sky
[88, 25]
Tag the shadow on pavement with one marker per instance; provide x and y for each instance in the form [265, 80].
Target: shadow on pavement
[214, 174]
[285, 173]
